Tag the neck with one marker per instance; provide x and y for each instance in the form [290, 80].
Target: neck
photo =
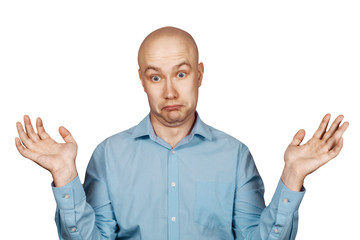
[172, 134]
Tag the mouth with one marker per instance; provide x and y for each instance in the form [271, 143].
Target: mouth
[172, 107]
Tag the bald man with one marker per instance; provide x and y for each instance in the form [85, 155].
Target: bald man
[172, 176]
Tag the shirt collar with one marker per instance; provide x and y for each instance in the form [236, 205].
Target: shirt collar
[144, 128]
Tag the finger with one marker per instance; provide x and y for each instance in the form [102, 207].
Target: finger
[29, 129]
[322, 128]
[336, 150]
[298, 138]
[23, 136]
[66, 135]
[40, 129]
[24, 151]
[337, 135]
[333, 128]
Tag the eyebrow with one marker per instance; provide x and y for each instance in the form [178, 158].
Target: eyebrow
[176, 66]
[183, 63]
[152, 68]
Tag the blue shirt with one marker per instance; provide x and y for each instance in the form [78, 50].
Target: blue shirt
[138, 187]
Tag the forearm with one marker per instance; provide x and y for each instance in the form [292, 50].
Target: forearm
[252, 220]
[77, 223]
[76, 219]
[279, 220]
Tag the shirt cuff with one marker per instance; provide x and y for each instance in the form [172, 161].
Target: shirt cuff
[69, 195]
[286, 199]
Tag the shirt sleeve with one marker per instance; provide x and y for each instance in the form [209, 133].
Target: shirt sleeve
[75, 218]
[252, 220]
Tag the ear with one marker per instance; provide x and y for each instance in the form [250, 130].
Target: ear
[200, 73]
[141, 79]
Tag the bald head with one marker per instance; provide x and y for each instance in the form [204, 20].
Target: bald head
[154, 41]
[171, 75]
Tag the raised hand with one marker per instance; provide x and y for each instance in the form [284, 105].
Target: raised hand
[58, 158]
[301, 160]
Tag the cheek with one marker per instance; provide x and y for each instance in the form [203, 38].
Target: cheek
[151, 91]
[153, 95]
[191, 92]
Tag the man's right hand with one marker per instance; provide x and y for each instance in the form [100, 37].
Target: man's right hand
[58, 158]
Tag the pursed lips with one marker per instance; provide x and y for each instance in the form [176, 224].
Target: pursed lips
[172, 107]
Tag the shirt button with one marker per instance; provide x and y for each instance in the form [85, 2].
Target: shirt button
[173, 219]
[66, 196]
[285, 200]
[276, 230]
[73, 229]
[173, 151]
[173, 184]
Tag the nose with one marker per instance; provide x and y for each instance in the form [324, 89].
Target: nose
[170, 90]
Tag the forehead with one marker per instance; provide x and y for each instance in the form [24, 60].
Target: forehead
[166, 51]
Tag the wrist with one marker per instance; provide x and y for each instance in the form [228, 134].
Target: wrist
[292, 180]
[64, 176]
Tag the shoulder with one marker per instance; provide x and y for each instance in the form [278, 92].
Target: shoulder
[118, 140]
[219, 136]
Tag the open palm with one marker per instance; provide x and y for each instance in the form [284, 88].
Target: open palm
[320, 149]
[58, 158]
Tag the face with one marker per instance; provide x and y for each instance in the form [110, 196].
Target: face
[171, 77]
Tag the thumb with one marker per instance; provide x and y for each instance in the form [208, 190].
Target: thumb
[66, 135]
[298, 138]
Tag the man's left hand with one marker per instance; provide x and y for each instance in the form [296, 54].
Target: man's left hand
[301, 160]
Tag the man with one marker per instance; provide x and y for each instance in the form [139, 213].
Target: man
[172, 176]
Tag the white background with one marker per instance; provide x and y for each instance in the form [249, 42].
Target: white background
[271, 68]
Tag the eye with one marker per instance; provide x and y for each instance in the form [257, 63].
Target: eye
[181, 75]
[155, 78]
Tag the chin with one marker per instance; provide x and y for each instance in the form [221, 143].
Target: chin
[174, 116]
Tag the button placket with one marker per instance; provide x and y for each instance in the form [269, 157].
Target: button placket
[173, 194]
